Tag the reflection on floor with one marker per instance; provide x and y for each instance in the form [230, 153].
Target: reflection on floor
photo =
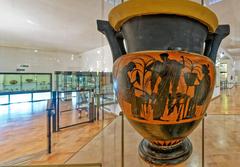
[70, 115]
[68, 141]
[222, 139]
[222, 145]
[73, 117]
[23, 135]
[22, 130]
[228, 102]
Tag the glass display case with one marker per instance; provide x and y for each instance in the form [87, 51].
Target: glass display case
[25, 82]
[106, 82]
[68, 83]
[72, 81]
[223, 71]
[88, 80]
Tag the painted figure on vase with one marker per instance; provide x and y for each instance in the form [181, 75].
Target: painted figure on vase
[164, 89]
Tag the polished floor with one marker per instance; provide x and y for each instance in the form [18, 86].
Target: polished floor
[222, 140]
[222, 145]
[227, 104]
[23, 137]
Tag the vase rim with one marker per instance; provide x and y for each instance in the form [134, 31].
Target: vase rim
[133, 8]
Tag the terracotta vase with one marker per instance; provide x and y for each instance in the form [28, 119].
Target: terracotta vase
[160, 102]
[165, 78]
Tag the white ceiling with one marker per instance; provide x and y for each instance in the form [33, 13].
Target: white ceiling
[70, 25]
[65, 25]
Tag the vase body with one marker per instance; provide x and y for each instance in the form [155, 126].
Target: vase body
[164, 72]
[164, 95]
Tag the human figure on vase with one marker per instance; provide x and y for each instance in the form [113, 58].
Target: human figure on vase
[200, 93]
[127, 85]
[169, 73]
[178, 104]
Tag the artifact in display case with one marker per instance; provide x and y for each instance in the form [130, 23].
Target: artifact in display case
[71, 81]
[10, 83]
[90, 79]
[106, 82]
[29, 82]
[26, 82]
[66, 81]
[43, 82]
[163, 81]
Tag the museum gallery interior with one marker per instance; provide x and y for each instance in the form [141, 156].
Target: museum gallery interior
[120, 83]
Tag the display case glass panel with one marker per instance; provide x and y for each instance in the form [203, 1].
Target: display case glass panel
[29, 82]
[26, 82]
[106, 84]
[101, 83]
[66, 81]
[72, 81]
[4, 99]
[11, 83]
[223, 67]
[44, 82]
[41, 96]
[19, 98]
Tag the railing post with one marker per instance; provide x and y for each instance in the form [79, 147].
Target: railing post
[102, 106]
[98, 105]
[54, 103]
[92, 111]
[49, 123]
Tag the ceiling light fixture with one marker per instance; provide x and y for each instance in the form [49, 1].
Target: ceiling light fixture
[30, 22]
[211, 2]
[221, 54]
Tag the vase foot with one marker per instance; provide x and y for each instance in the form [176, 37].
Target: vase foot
[169, 155]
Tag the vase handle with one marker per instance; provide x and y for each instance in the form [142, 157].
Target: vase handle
[214, 40]
[115, 39]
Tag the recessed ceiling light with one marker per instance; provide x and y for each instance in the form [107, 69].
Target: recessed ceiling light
[35, 50]
[221, 54]
[30, 22]
[113, 2]
[211, 2]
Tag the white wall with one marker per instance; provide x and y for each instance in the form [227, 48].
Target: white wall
[99, 59]
[41, 62]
